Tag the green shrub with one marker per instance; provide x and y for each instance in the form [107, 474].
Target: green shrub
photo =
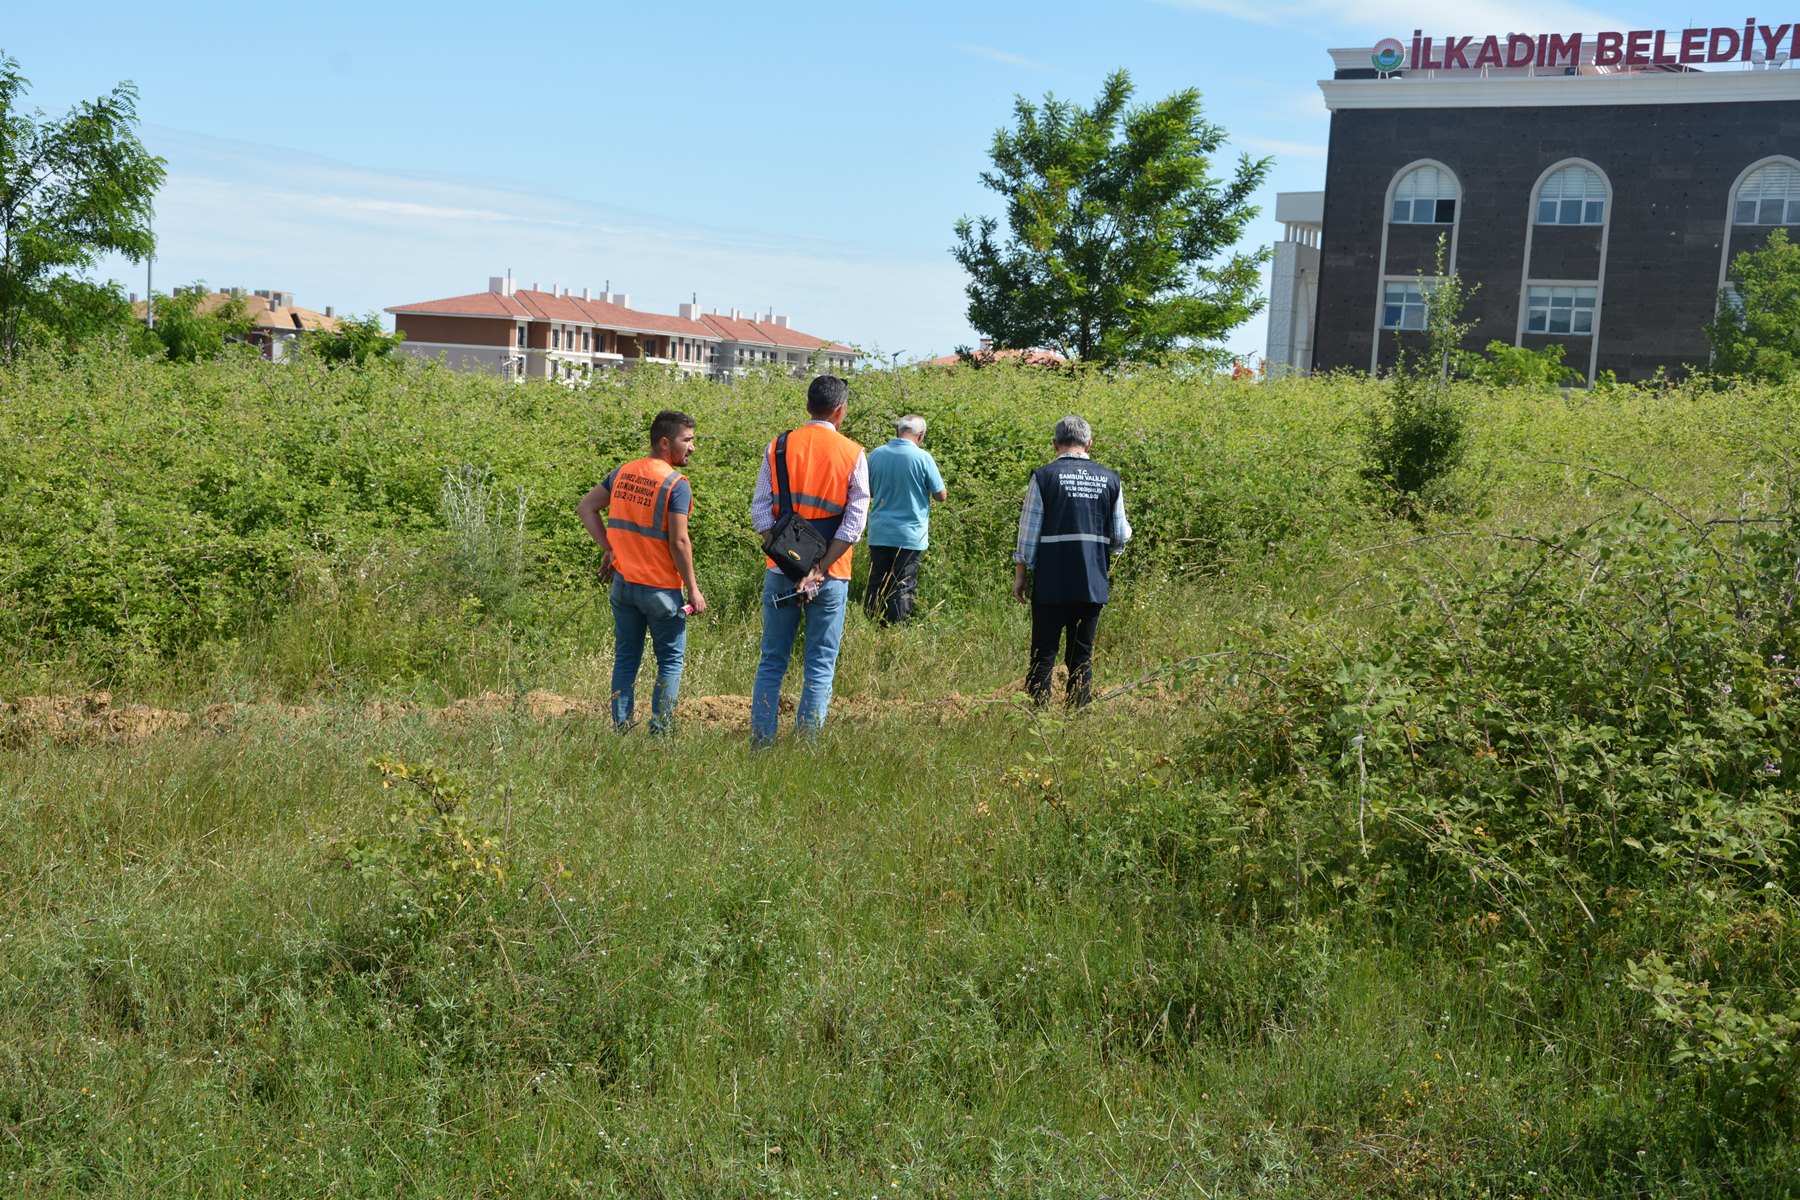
[1413, 442]
[432, 865]
[1518, 366]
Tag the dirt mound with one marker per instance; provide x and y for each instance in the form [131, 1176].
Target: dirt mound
[721, 710]
[83, 718]
[94, 718]
[542, 704]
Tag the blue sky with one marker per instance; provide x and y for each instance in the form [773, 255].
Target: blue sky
[809, 158]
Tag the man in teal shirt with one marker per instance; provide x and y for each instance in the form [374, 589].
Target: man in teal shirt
[903, 481]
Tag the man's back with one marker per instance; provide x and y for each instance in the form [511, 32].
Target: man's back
[902, 479]
[1075, 545]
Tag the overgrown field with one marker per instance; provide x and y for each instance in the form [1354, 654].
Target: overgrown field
[1439, 856]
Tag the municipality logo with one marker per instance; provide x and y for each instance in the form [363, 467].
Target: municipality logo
[1388, 54]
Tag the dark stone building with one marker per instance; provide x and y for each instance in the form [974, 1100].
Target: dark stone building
[1591, 207]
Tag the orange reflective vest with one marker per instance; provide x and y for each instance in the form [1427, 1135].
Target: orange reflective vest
[637, 522]
[820, 462]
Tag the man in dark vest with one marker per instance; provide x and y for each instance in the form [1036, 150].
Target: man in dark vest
[1072, 524]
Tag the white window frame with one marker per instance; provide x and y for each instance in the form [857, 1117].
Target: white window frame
[1552, 286]
[1583, 202]
[1731, 211]
[1789, 200]
[1527, 281]
[1444, 172]
[1425, 286]
[1383, 275]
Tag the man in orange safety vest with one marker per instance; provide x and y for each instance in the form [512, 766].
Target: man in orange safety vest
[827, 477]
[650, 559]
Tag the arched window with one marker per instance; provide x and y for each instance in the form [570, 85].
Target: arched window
[1574, 195]
[1769, 196]
[1426, 196]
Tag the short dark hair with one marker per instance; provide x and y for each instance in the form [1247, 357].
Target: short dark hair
[826, 394]
[669, 424]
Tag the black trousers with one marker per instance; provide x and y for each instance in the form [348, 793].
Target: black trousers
[1049, 623]
[893, 583]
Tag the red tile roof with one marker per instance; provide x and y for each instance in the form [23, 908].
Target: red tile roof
[527, 305]
[768, 334]
[477, 304]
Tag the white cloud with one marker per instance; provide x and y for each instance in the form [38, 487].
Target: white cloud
[1000, 56]
[1376, 18]
[402, 208]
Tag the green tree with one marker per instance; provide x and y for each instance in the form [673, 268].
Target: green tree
[71, 189]
[69, 311]
[1756, 334]
[1116, 230]
[195, 323]
[355, 340]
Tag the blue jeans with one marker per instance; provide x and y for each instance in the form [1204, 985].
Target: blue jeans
[824, 617]
[638, 610]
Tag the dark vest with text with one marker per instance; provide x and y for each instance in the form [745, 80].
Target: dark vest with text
[1074, 551]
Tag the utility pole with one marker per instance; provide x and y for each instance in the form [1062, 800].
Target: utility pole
[150, 276]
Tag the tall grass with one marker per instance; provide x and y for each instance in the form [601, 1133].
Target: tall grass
[1245, 929]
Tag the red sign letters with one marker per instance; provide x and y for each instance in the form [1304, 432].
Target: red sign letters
[1634, 48]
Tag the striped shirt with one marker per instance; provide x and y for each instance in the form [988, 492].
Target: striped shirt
[856, 512]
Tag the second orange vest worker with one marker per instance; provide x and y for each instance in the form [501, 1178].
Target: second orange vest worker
[820, 463]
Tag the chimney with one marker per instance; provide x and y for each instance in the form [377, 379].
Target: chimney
[263, 292]
[689, 312]
[329, 311]
[737, 314]
[134, 297]
[500, 285]
[534, 286]
[274, 299]
[987, 345]
[769, 317]
[584, 294]
[781, 321]
[620, 299]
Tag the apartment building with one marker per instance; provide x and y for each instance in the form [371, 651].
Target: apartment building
[530, 333]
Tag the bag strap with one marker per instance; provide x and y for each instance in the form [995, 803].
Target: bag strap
[784, 496]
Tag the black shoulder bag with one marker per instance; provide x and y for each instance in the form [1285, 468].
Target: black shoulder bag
[791, 543]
